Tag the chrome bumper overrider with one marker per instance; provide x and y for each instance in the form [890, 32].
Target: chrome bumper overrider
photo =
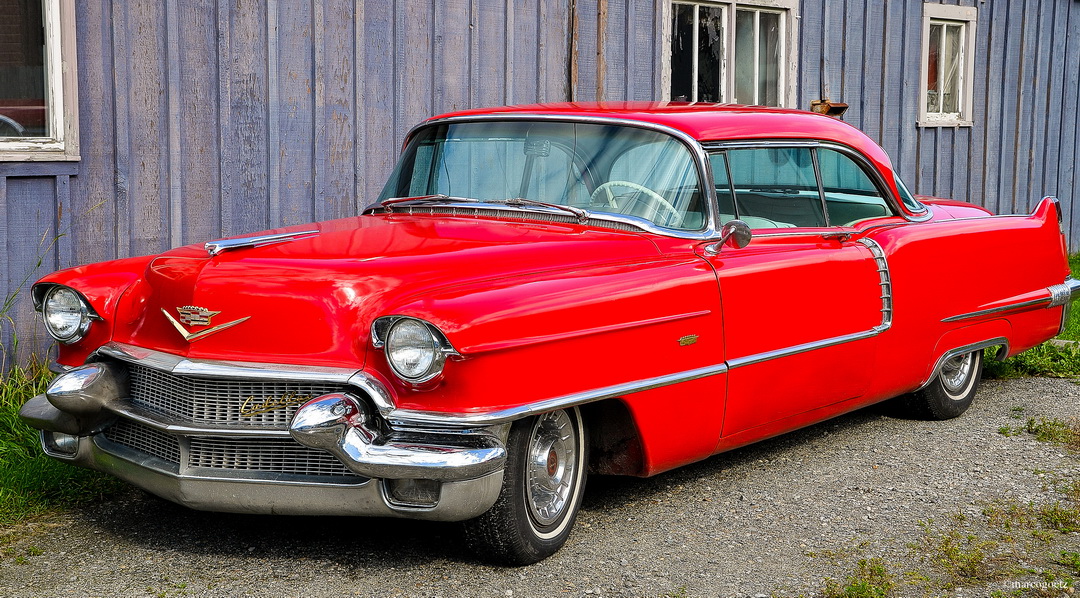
[89, 417]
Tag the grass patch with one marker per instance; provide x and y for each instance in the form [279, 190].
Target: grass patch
[1044, 360]
[871, 579]
[30, 482]
[1054, 430]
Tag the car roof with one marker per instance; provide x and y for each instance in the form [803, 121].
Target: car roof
[706, 122]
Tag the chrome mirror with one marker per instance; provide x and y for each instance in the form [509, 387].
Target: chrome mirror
[736, 233]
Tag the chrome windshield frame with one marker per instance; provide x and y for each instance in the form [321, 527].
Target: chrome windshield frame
[697, 153]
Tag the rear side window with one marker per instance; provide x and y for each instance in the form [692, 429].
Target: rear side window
[786, 187]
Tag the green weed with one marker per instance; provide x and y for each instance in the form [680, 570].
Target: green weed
[871, 579]
[30, 482]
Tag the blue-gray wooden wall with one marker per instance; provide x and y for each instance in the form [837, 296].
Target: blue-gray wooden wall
[206, 118]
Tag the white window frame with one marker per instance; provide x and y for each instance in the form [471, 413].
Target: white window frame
[61, 93]
[966, 17]
[789, 66]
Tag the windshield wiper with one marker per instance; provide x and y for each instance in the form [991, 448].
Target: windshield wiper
[423, 199]
[517, 202]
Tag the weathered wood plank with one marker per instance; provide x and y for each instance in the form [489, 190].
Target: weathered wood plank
[273, 111]
[29, 247]
[451, 56]
[1009, 115]
[380, 86]
[525, 65]
[335, 185]
[1026, 75]
[585, 83]
[121, 75]
[65, 241]
[1051, 107]
[872, 106]
[147, 111]
[199, 169]
[359, 112]
[295, 119]
[248, 107]
[811, 45]
[994, 22]
[1068, 181]
[490, 59]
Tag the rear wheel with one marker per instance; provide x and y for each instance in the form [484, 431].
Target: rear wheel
[541, 492]
[950, 393]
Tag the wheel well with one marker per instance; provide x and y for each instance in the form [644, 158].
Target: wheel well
[614, 443]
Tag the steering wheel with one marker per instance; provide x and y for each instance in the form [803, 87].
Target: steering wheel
[657, 200]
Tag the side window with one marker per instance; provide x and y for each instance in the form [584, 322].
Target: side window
[776, 187]
[784, 187]
[849, 193]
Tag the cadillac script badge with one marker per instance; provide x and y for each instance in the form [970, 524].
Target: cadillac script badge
[198, 316]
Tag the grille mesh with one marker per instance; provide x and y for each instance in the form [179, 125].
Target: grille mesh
[270, 455]
[218, 401]
[145, 439]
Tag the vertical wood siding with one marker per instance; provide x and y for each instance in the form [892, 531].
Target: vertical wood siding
[207, 118]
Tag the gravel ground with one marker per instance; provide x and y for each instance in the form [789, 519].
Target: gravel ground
[744, 523]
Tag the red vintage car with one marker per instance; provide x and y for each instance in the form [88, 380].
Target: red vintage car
[541, 292]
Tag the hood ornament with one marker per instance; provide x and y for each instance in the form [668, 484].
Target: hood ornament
[198, 316]
[223, 245]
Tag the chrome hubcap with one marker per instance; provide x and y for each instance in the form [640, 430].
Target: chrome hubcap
[956, 372]
[551, 467]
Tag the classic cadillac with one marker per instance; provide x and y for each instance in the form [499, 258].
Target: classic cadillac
[541, 292]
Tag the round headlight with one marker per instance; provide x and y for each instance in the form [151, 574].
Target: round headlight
[66, 316]
[413, 352]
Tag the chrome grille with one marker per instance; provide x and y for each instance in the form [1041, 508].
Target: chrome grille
[145, 439]
[222, 401]
[279, 456]
[272, 455]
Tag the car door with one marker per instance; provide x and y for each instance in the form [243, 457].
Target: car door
[804, 302]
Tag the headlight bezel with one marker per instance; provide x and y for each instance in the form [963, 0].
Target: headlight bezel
[439, 349]
[85, 313]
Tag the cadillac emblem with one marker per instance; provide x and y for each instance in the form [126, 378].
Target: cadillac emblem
[198, 316]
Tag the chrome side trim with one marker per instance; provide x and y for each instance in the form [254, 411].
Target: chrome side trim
[994, 342]
[223, 245]
[408, 417]
[1059, 294]
[739, 362]
[1001, 309]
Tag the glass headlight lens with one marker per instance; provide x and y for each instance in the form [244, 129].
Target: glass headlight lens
[66, 316]
[413, 352]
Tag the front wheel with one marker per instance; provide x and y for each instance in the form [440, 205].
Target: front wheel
[541, 491]
[950, 393]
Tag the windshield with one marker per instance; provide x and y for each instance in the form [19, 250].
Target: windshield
[599, 168]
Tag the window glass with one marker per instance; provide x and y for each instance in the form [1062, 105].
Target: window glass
[776, 187]
[744, 57]
[907, 197]
[710, 53]
[948, 65]
[22, 70]
[850, 194]
[602, 168]
[682, 56]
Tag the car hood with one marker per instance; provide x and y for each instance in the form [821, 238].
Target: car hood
[312, 299]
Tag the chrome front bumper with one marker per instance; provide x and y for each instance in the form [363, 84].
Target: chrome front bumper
[351, 462]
